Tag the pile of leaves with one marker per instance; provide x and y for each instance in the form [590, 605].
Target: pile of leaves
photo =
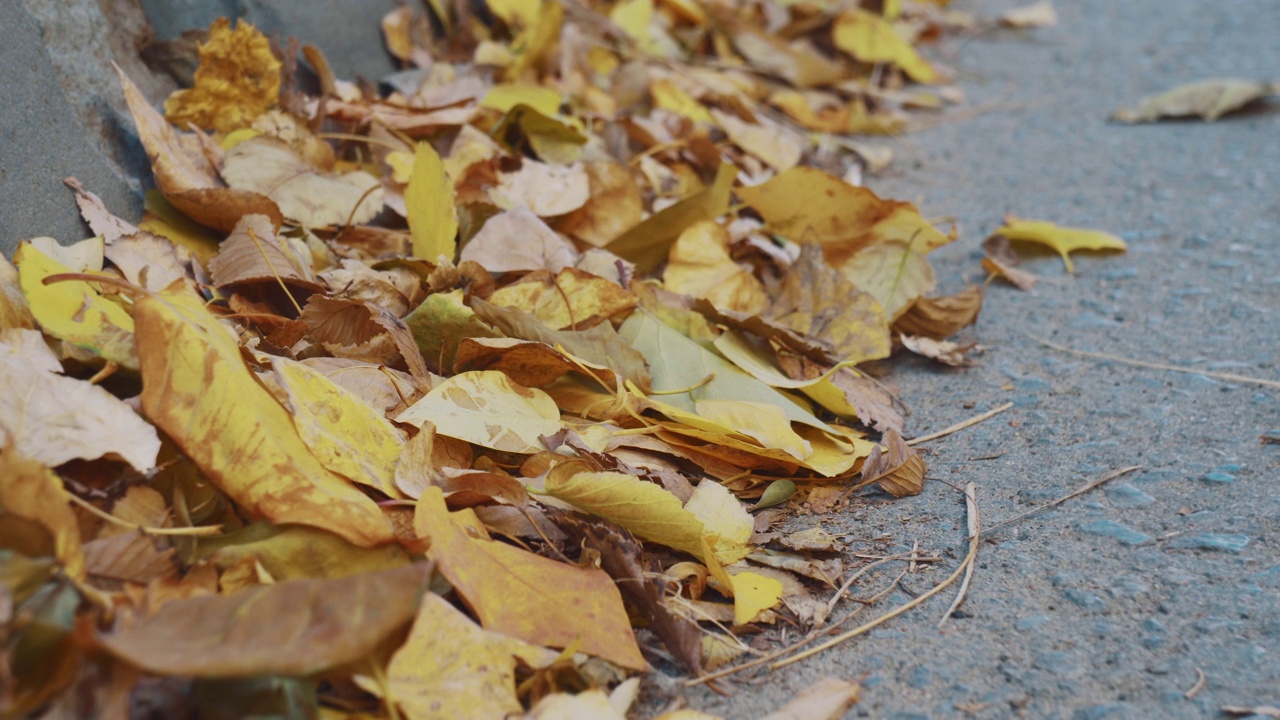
[417, 400]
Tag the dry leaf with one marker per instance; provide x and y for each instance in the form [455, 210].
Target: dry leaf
[894, 273]
[753, 593]
[570, 300]
[897, 467]
[647, 244]
[304, 193]
[1039, 14]
[827, 699]
[1206, 99]
[429, 200]
[944, 351]
[939, 317]
[1063, 240]
[615, 205]
[238, 79]
[545, 190]
[1000, 259]
[254, 253]
[518, 240]
[870, 38]
[349, 328]
[30, 491]
[486, 408]
[699, 264]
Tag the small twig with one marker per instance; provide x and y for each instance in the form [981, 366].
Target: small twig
[960, 425]
[1053, 503]
[1195, 689]
[975, 529]
[1229, 377]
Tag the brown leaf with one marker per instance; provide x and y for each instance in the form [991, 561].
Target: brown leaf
[303, 192]
[132, 557]
[187, 179]
[349, 323]
[149, 261]
[615, 205]
[295, 628]
[897, 467]
[32, 492]
[254, 253]
[944, 351]
[101, 220]
[941, 317]
[1001, 259]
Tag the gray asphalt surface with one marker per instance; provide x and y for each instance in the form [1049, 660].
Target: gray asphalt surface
[1107, 606]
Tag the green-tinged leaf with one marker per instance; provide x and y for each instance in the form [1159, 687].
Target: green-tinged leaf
[440, 323]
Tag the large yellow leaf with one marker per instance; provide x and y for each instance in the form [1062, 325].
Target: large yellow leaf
[871, 39]
[527, 596]
[569, 300]
[75, 311]
[647, 244]
[346, 435]
[894, 273]
[238, 79]
[486, 408]
[30, 491]
[297, 551]
[452, 668]
[1064, 240]
[766, 424]
[197, 389]
[645, 509]
[433, 220]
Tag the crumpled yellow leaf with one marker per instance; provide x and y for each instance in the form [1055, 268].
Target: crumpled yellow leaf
[52, 418]
[764, 423]
[343, 432]
[753, 593]
[526, 596]
[31, 491]
[700, 265]
[572, 299]
[1063, 240]
[449, 667]
[669, 96]
[646, 510]
[871, 39]
[198, 390]
[303, 192]
[486, 408]
[433, 219]
[238, 79]
[1208, 99]
[74, 311]
[726, 524]
[647, 244]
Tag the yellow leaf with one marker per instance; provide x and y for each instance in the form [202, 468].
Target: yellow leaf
[700, 265]
[527, 596]
[486, 408]
[166, 221]
[238, 79]
[74, 310]
[449, 667]
[297, 551]
[645, 509]
[726, 523]
[345, 434]
[1064, 240]
[505, 97]
[766, 424]
[517, 14]
[33, 492]
[894, 273]
[572, 299]
[633, 18]
[668, 96]
[780, 147]
[647, 244]
[433, 220]
[753, 593]
[197, 389]
[871, 39]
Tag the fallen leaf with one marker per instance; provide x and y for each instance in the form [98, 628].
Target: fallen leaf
[151, 262]
[699, 264]
[351, 328]
[526, 596]
[433, 220]
[304, 193]
[297, 551]
[1063, 240]
[642, 508]
[32, 492]
[780, 147]
[186, 179]
[101, 221]
[197, 389]
[1035, 15]
[133, 558]
[753, 593]
[14, 311]
[293, 628]
[254, 253]
[518, 240]
[1000, 259]
[1207, 99]
[897, 467]
[870, 38]
[615, 204]
[527, 362]
[54, 419]
[563, 706]
[827, 699]
[546, 190]
[894, 273]
[725, 522]
[939, 317]
[944, 351]
[648, 243]
[238, 79]
[486, 408]
[570, 300]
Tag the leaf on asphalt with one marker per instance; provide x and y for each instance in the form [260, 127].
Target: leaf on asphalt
[615, 204]
[752, 594]
[345, 434]
[254, 253]
[101, 221]
[74, 311]
[1035, 15]
[486, 408]
[569, 300]
[433, 220]
[31, 492]
[198, 390]
[896, 466]
[940, 317]
[700, 265]
[295, 628]
[648, 243]
[304, 193]
[1206, 99]
[518, 240]
[54, 419]
[1000, 260]
[827, 699]
[944, 351]
[1063, 240]
[449, 667]
[870, 38]
[237, 80]
[186, 178]
[526, 596]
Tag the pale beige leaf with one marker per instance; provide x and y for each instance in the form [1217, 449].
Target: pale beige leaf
[486, 408]
[518, 240]
[303, 192]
